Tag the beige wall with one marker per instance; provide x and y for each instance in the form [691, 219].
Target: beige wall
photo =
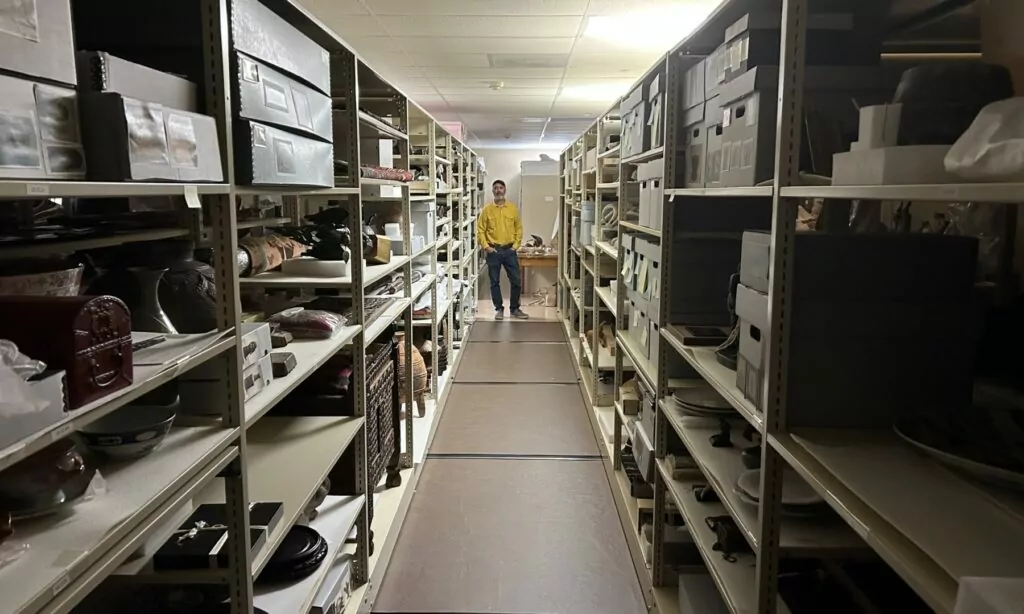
[505, 164]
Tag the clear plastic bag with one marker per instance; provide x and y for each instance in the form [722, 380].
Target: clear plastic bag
[992, 149]
[16, 396]
[308, 323]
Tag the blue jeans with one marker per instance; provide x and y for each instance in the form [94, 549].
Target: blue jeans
[504, 257]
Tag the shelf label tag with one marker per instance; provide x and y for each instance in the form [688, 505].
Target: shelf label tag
[61, 584]
[726, 117]
[63, 431]
[192, 197]
[37, 189]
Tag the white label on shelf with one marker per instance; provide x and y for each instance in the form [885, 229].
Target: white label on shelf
[192, 197]
[37, 189]
[726, 117]
[63, 430]
[549, 199]
[61, 584]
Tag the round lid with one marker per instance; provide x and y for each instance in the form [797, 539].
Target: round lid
[298, 546]
[795, 491]
[701, 397]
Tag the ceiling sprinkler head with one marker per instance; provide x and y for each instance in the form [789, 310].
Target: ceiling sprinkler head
[497, 85]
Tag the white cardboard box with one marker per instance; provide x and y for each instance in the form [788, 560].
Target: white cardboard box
[905, 165]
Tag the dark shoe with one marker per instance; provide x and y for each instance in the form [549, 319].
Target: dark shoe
[520, 314]
[499, 315]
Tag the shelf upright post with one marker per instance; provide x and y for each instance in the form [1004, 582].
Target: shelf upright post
[349, 89]
[621, 323]
[216, 43]
[435, 332]
[406, 457]
[675, 67]
[456, 223]
[787, 167]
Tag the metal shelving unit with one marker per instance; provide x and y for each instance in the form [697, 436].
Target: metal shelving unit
[883, 493]
[246, 455]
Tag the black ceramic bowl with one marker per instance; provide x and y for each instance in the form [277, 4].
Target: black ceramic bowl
[130, 432]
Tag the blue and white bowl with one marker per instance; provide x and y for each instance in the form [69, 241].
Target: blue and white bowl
[130, 432]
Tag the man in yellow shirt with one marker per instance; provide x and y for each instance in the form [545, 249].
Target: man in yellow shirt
[499, 231]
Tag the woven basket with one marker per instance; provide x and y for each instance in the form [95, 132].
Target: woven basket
[419, 368]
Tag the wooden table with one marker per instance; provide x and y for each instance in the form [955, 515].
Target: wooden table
[526, 261]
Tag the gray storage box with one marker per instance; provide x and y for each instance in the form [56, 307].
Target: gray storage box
[655, 126]
[756, 260]
[39, 131]
[695, 143]
[268, 96]
[714, 72]
[260, 33]
[880, 326]
[755, 39]
[634, 124]
[101, 72]
[131, 140]
[270, 156]
[714, 136]
[36, 40]
[693, 85]
[833, 95]
[643, 446]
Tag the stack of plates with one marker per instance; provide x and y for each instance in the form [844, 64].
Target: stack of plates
[702, 402]
[798, 498]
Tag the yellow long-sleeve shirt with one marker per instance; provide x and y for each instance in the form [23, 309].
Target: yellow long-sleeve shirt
[499, 225]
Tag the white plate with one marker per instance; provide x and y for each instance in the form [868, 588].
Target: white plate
[795, 491]
[701, 397]
[996, 476]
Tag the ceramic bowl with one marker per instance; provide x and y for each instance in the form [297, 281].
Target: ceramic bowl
[130, 432]
[43, 277]
[46, 481]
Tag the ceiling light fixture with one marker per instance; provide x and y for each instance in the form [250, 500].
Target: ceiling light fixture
[653, 29]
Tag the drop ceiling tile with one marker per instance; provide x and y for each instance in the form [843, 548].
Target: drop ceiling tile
[373, 44]
[509, 82]
[349, 26]
[477, 7]
[483, 91]
[328, 8]
[384, 60]
[491, 74]
[465, 60]
[453, 44]
[434, 25]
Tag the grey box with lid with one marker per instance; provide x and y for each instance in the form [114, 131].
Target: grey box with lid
[277, 157]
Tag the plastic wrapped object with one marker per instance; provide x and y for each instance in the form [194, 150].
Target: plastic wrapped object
[16, 396]
[992, 149]
[308, 323]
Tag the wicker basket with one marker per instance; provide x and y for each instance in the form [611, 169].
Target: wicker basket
[419, 369]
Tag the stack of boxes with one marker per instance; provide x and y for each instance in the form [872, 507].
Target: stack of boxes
[127, 122]
[631, 110]
[880, 326]
[642, 113]
[140, 124]
[39, 122]
[729, 105]
[283, 130]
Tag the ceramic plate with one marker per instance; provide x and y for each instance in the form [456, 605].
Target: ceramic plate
[701, 397]
[987, 473]
[795, 491]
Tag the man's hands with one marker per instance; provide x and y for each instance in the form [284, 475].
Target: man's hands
[489, 249]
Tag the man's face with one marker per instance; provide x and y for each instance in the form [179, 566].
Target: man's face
[498, 190]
